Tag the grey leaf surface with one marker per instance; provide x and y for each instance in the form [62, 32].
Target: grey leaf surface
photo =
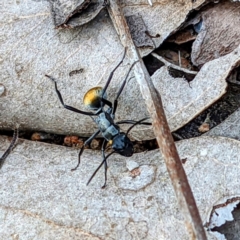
[82, 58]
[229, 128]
[42, 199]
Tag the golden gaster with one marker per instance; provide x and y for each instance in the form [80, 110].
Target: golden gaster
[92, 98]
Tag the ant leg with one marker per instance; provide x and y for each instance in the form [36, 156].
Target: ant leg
[10, 148]
[135, 124]
[66, 106]
[104, 160]
[105, 163]
[111, 74]
[121, 89]
[82, 148]
[132, 122]
[105, 101]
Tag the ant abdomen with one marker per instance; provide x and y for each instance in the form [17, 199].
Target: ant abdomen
[93, 98]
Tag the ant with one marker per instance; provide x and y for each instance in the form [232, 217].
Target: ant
[95, 99]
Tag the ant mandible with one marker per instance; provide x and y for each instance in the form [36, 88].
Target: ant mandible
[95, 99]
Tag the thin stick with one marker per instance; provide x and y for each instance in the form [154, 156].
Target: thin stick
[179, 59]
[160, 127]
[168, 64]
[10, 148]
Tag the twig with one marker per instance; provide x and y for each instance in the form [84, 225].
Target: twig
[179, 59]
[10, 148]
[160, 127]
[168, 64]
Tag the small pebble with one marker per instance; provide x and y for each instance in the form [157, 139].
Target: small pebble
[2, 89]
[131, 165]
[95, 143]
[73, 141]
[204, 128]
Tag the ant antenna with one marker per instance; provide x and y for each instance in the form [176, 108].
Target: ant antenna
[136, 123]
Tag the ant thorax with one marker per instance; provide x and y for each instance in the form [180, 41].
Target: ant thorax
[106, 125]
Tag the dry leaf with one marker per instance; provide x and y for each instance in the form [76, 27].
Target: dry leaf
[79, 58]
[75, 13]
[38, 191]
[224, 218]
[183, 102]
[63, 10]
[229, 128]
[219, 34]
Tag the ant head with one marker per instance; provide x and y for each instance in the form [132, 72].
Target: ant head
[122, 145]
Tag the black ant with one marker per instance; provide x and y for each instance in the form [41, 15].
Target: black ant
[95, 99]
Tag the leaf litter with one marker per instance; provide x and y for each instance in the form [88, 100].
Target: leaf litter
[211, 164]
[233, 62]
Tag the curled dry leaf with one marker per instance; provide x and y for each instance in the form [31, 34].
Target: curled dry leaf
[224, 218]
[88, 14]
[75, 13]
[38, 190]
[219, 33]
